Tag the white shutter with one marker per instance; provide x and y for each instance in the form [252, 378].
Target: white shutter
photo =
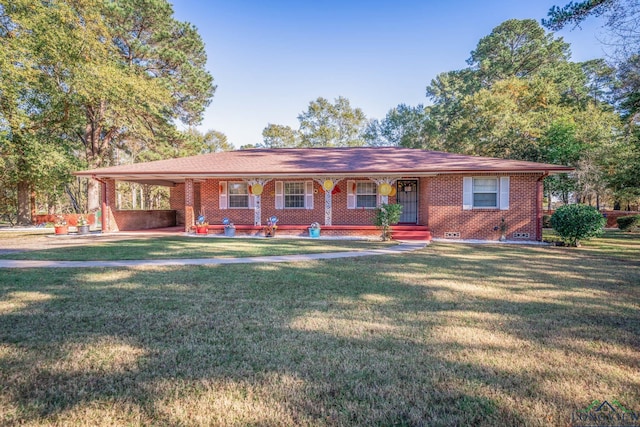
[467, 193]
[308, 195]
[504, 193]
[223, 195]
[351, 194]
[279, 195]
[252, 201]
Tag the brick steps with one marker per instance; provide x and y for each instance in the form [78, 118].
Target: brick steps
[411, 232]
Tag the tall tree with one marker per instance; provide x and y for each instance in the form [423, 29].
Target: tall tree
[279, 136]
[332, 125]
[216, 141]
[403, 126]
[42, 44]
[323, 124]
[154, 74]
[516, 48]
[622, 19]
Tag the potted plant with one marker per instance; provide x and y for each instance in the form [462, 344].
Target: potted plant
[270, 229]
[60, 225]
[229, 228]
[314, 230]
[82, 225]
[202, 226]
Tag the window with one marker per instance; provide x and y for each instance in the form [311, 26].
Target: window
[294, 194]
[485, 192]
[238, 195]
[366, 195]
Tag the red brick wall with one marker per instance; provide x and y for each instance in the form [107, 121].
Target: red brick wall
[176, 202]
[440, 208]
[209, 192]
[143, 220]
[441, 205]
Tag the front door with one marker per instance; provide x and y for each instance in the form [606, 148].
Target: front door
[407, 196]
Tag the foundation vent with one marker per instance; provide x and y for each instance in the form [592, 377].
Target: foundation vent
[520, 235]
[451, 234]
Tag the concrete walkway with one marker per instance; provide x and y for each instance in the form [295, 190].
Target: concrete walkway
[403, 247]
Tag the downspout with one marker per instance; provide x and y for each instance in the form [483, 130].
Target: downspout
[539, 191]
[105, 217]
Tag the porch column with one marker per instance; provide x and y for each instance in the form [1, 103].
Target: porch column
[328, 184]
[189, 218]
[257, 186]
[384, 198]
[108, 204]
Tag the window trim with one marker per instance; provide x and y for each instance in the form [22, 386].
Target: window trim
[496, 192]
[358, 194]
[230, 195]
[303, 195]
[503, 192]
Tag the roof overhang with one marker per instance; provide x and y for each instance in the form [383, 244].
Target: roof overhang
[171, 180]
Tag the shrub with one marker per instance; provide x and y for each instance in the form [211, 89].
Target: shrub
[577, 222]
[629, 223]
[546, 221]
[386, 216]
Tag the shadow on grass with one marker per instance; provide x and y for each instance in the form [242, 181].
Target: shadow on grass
[451, 335]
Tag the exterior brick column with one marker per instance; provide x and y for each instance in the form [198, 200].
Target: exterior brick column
[189, 216]
[109, 224]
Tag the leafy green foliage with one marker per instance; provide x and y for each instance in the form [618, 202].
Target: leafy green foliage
[279, 136]
[574, 13]
[387, 215]
[629, 223]
[90, 79]
[577, 222]
[403, 126]
[324, 124]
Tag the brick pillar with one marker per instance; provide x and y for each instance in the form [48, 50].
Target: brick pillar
[189, 217]
[109, 224]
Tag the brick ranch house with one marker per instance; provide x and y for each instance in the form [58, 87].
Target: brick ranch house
[443, 195]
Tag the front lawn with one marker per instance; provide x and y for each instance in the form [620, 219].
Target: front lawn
[453, 334]
[92, 249]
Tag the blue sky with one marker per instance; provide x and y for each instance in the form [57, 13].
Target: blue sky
[269, 59]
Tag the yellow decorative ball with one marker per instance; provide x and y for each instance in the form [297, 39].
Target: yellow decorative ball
[385, 189]
[327, 185]
[256, 189]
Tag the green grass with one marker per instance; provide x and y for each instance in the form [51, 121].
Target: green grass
[453, 334]
[188, 247]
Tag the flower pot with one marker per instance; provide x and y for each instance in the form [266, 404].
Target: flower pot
[202, 229]
[314, 233]
[61, 229]
[229, 232]
[83, 229]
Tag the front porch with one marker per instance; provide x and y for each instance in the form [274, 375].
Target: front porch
[399, 232]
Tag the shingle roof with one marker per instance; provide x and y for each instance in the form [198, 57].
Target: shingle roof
[316, 162]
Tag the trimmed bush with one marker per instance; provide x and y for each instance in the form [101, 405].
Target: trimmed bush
[629, 223]
[546, 221]
[577, 222]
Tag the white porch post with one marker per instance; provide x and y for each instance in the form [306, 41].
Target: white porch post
[257, 199]
[328, 185]
[384, 180]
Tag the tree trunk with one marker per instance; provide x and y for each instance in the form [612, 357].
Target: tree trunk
[32, 201]
[24, 203]
[93, 196]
